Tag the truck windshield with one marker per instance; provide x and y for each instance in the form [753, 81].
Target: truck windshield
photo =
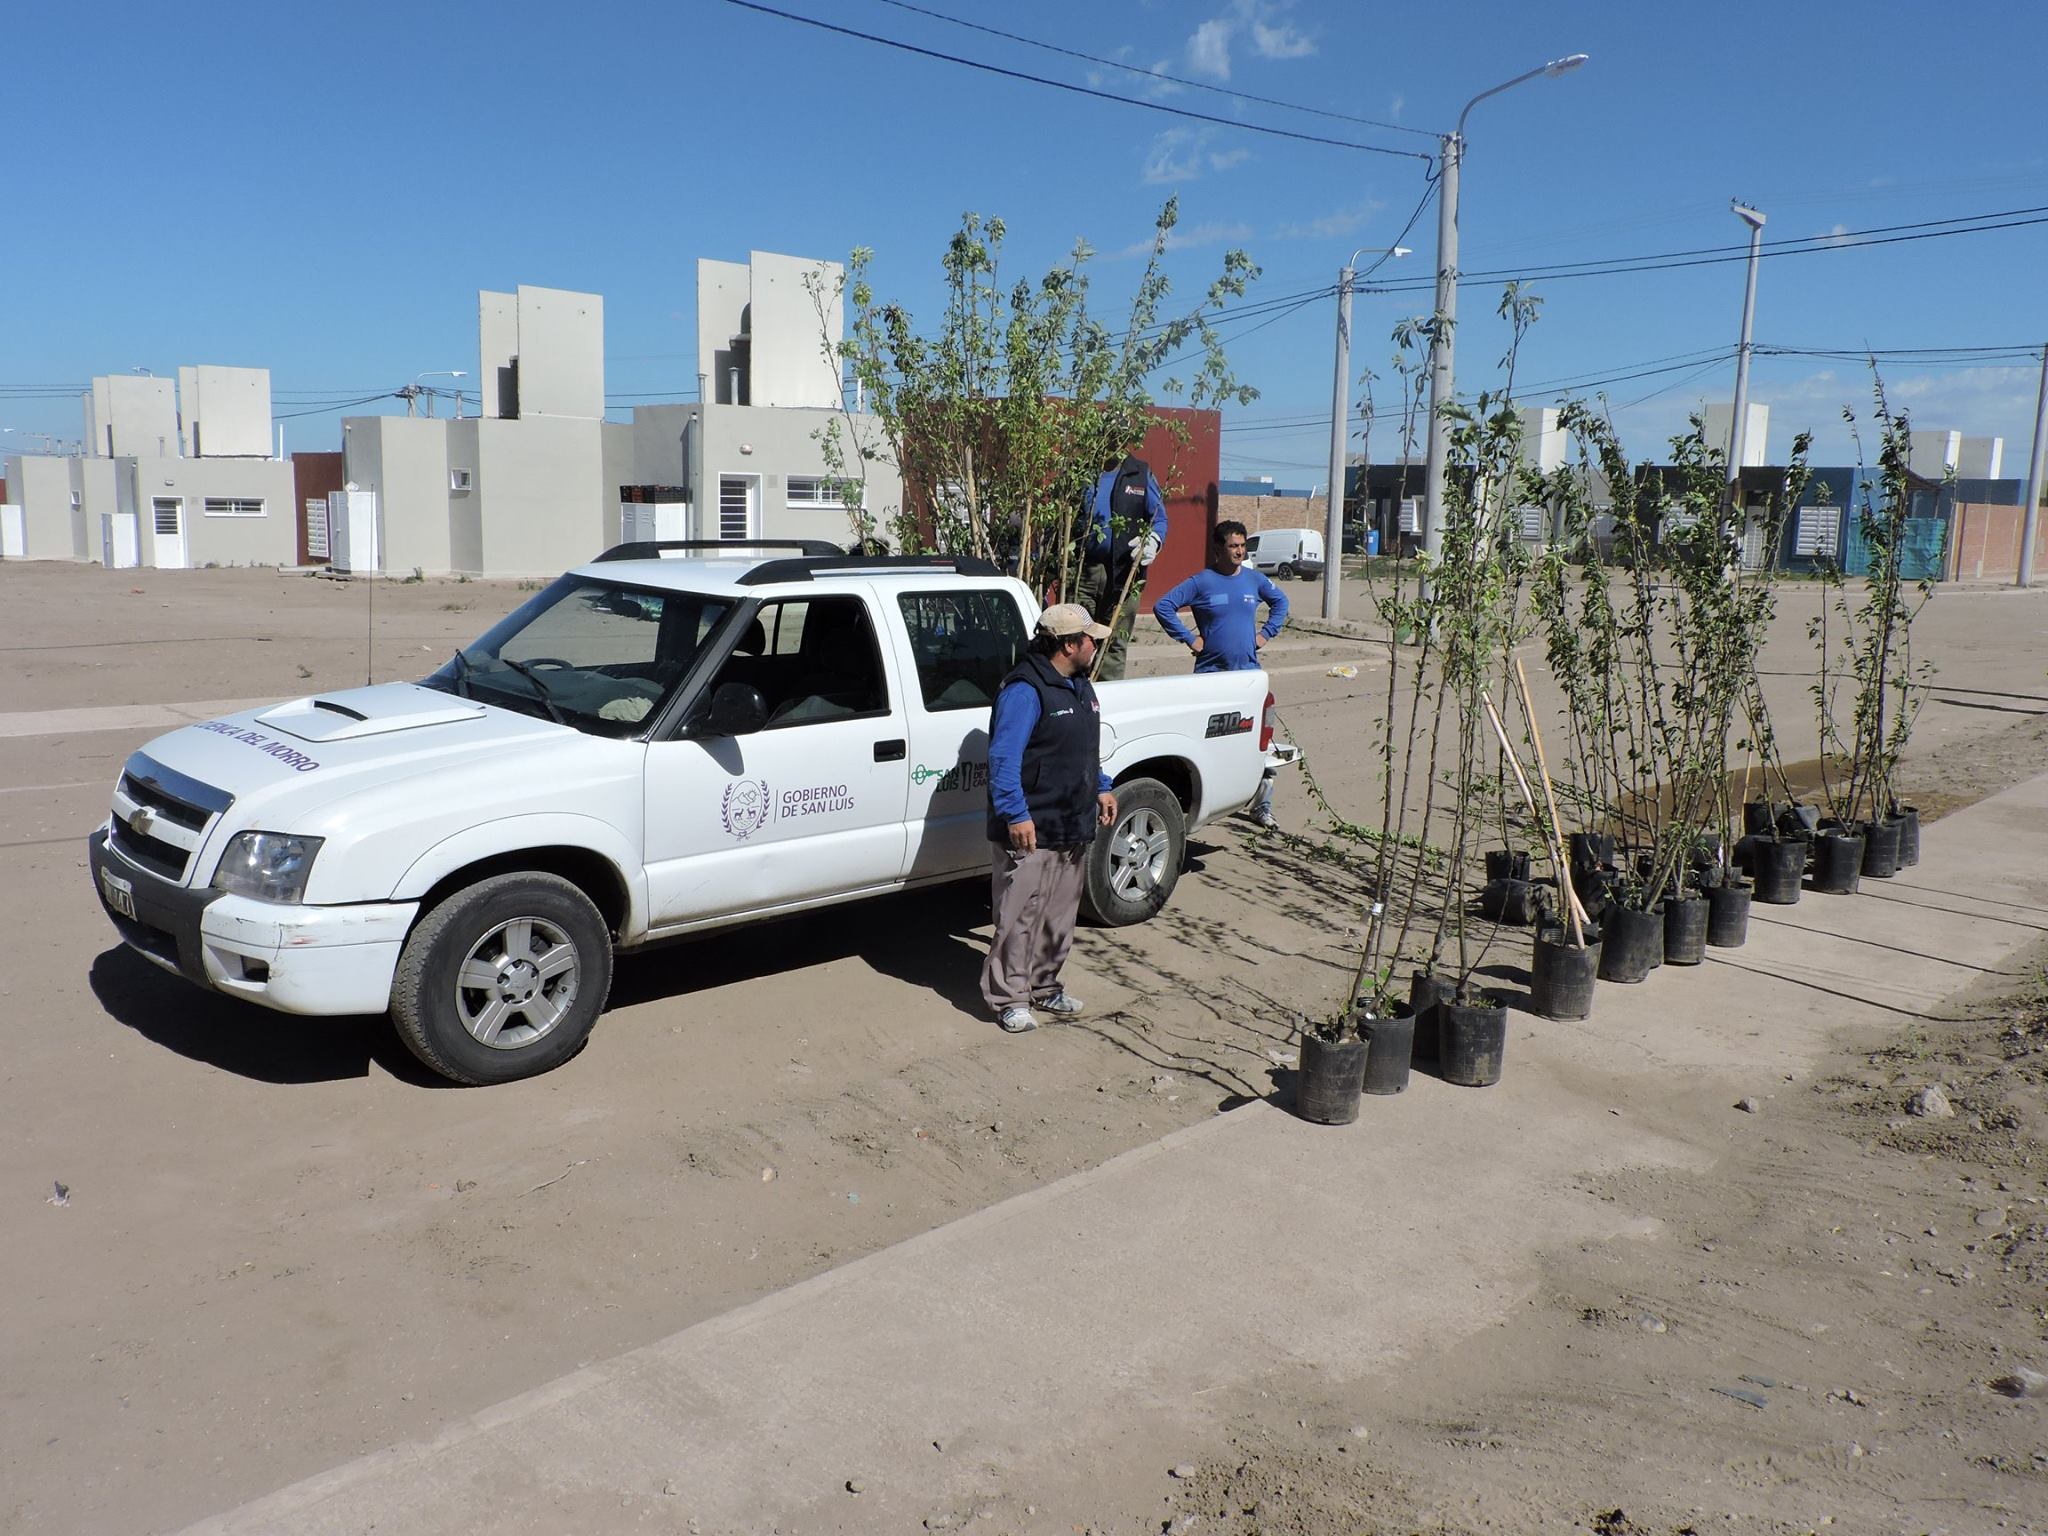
[595, 655]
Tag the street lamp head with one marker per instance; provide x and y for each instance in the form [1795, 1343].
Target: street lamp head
[1565, 65]
[1747, 214]
[1400, 250]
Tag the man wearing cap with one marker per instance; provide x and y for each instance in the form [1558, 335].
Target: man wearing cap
[1047, 794]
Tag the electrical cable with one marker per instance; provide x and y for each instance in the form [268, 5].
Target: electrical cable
[1079, 90]
[1154, 74]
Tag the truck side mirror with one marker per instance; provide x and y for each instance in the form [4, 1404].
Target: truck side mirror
[737, 709]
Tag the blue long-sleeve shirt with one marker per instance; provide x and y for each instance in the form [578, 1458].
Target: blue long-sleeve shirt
[1010, 726]
[1098, 523]
[1226, 612]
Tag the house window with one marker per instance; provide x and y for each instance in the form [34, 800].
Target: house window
[1817, 532]
[814, 491]
[235, 506]
[164, 510]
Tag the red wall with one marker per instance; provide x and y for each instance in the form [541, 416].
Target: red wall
[313, 475]
[1188, 475]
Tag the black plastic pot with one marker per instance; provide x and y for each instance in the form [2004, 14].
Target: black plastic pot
[1909, 836]
[1589, 850]
[1631, 943]
[1389, 1046]
[1881, 847]
[1685, 930]
[1561, 976]
[1743, 859]
[1837, 860]
[1332, 1077]
[1425, 993]
[1728, 915]
[1759, 819]
[1777, 865]
[1475, 1038]
[1515, 902]
[1793, 820]
[1506, 864]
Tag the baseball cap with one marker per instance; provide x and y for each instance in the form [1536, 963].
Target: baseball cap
[1064, 619]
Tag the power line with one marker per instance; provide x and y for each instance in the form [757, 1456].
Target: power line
[1079, 90]
[1848, 240]
[1154, 74]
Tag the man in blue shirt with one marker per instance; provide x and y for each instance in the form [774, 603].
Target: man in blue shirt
[1047, 794]
[1126, 526]
[1225, 596]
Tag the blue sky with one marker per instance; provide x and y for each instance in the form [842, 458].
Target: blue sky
[322, 191]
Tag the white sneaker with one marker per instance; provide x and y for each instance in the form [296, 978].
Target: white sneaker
[1061, 1005]
[1016, 1021]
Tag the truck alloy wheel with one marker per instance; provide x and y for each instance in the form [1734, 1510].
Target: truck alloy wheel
[1132, 868]
[503, 979]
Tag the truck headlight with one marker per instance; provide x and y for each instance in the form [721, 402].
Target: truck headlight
[268, 866]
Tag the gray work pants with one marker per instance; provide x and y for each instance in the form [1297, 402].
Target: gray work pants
[1035, 897]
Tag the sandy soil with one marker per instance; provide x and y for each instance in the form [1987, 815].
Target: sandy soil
[285, 1245]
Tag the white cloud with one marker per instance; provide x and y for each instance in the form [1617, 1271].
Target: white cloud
[1209, 48]
[1834, 236]
[1397, 106]
[1331, 225]
[1175, 155]
[1188, 237]
[1281, 42]
[1229, 158]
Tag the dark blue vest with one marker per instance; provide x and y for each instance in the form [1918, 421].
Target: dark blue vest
[1062, 760]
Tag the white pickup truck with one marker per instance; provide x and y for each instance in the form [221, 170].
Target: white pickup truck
[654, 745]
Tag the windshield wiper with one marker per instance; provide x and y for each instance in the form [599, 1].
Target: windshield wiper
[540, 689]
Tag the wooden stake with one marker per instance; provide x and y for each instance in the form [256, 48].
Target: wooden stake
[1575, 913]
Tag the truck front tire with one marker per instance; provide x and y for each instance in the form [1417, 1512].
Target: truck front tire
[503, 979]
[1136, 861]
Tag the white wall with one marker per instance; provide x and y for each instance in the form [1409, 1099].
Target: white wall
[789, 363]
[129, 413]
[269, 539]
[40, 484]
[1720, 417]
[497, 324]
[540, 499]
[228, 415]
[723, 288]
[561, 353]
[1982, 458]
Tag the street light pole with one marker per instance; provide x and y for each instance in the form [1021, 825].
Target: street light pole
[1340, 435]
[1442, 380]
[1738, 430]
[434, 373]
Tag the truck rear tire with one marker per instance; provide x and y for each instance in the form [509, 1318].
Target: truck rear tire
[1135, 862]
[503, 980]
[1286, 571]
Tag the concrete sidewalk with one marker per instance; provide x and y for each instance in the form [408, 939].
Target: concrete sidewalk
[1020, 1362]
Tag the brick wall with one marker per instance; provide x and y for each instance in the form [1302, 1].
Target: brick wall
[1984, 543]
[1258, 513]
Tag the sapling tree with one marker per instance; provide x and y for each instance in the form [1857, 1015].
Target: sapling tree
[1000, 418]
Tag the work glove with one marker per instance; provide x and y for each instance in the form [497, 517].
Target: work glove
[1144, 547]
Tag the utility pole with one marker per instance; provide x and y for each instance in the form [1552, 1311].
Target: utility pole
[1738, 429]
[1443, 330]
[1340, 432]
[2032, 510]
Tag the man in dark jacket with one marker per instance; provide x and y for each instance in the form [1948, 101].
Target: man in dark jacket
[1126, 526]
[1047, 794]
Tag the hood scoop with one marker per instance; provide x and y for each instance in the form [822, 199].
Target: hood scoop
[354, 713]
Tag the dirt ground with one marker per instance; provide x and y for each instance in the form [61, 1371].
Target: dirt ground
[284, 1245]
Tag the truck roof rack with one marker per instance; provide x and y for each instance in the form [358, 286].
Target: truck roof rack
[653, 549]
[808, 569]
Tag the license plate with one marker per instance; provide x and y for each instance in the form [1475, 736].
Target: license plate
[119, 893]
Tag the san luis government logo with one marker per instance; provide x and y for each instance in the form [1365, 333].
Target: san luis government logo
[746, 807]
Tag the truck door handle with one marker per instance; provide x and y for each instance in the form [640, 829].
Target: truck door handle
[889, 751]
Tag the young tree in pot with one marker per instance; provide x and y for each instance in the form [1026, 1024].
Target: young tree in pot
[1864, 649]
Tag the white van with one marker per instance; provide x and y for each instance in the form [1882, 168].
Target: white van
[1286, 552]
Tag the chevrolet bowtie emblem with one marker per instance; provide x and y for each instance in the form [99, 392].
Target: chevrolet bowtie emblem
[143, 822]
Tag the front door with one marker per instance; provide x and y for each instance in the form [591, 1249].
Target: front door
[809, 806]
[168, 513]
[961, 644]
[739, 507]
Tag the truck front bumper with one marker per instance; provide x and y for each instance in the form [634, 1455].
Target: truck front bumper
[306, 960]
